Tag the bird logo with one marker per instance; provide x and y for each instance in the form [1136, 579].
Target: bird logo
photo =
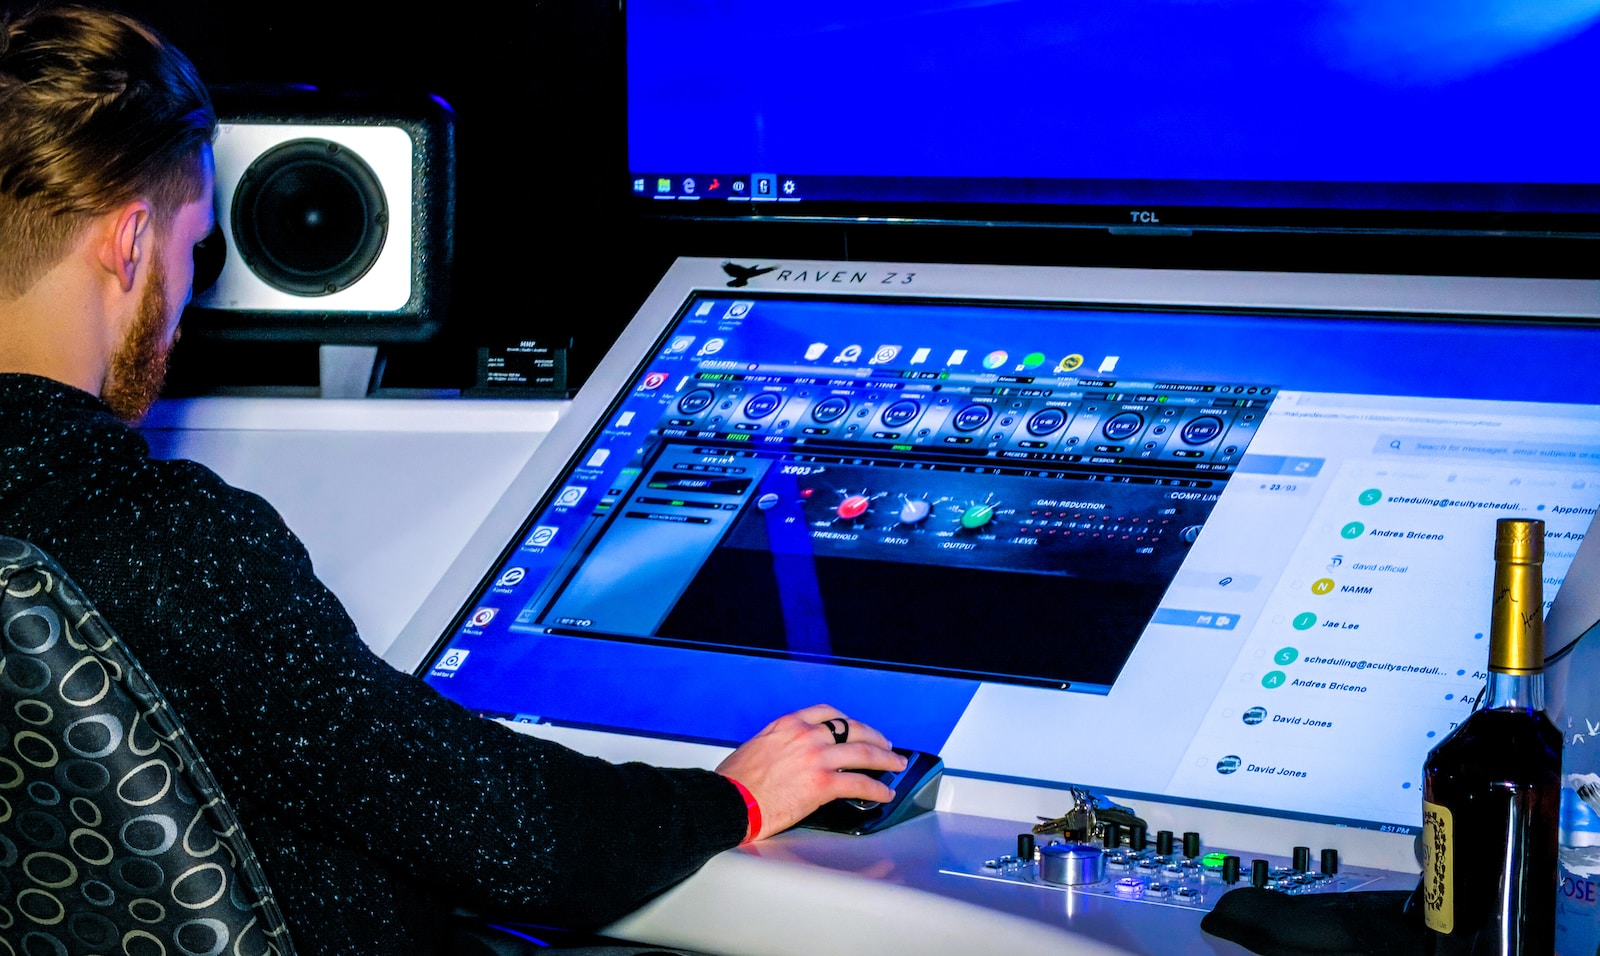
[741, 275]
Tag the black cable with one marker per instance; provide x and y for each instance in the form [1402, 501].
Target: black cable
[1558, 655]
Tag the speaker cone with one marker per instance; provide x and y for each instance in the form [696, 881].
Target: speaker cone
[309, 217]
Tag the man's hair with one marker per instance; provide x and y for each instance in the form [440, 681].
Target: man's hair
[96, 110]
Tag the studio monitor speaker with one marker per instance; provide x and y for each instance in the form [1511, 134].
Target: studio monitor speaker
[335, 218]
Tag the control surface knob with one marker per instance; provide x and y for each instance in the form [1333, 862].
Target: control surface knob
[1164, 842]
[1191, 843]
[1112, 838]
[914, 511]
[1330, 862]
[1071, 864]
[853, 507]
[977, 516]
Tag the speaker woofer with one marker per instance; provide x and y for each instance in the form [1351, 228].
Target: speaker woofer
[337, 214]
[310, 217]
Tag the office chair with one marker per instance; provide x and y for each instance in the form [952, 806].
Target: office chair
[114, 837]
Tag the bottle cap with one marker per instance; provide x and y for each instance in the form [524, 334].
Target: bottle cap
[1519, 540]
[1516, 627]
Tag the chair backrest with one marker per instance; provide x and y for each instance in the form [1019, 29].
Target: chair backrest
[114, 838]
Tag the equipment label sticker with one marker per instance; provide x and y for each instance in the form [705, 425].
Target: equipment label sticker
[1438, 832]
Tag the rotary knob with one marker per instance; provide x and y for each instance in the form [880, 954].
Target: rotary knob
[1123, 426]
[762, 405]
[972, 417]
[1045, 421]
[1201, 430]
[977, 516]
[853, 507]
[915, 510]
[830, 409]
[1071, 864]
[901, 413]
[696, 401]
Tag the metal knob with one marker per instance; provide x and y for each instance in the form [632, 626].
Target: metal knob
[1071, 864]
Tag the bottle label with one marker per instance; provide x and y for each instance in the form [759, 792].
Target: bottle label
[1438, 839]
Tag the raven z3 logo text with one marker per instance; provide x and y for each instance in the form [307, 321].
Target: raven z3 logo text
[741, 276]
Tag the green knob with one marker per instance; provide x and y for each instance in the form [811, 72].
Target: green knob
[977, 516]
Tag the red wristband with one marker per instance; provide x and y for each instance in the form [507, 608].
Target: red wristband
[752, 811]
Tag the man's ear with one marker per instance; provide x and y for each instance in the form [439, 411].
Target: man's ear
[127, 242]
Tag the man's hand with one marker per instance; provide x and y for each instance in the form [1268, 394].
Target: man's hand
[792, 767]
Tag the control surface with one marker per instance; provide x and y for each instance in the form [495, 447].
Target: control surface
[1175, 880]
[922, 887]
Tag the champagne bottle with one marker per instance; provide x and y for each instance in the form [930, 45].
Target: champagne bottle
[1491, 789]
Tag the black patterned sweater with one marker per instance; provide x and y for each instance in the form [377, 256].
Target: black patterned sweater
[375, 804]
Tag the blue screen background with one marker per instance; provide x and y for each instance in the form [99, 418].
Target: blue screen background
[693, 693]
[1477, 91]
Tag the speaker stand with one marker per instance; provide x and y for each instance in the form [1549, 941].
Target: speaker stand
[349, 371]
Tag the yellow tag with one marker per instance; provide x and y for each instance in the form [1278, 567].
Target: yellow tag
[1438, 897]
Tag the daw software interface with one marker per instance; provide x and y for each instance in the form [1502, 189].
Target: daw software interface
[1237, 557]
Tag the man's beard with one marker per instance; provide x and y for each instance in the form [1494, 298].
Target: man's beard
[139, 365]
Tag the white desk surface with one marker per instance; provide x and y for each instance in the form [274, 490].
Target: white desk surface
[383, 492]
[808, 892]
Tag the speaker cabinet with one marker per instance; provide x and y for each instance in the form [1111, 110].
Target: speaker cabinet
[335, 216]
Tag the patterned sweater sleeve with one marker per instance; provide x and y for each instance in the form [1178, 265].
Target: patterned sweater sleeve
[302, 723]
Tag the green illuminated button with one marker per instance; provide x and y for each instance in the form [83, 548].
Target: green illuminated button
[1213, 861]
[977, 516]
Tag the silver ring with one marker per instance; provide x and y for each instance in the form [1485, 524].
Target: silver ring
[841, 733]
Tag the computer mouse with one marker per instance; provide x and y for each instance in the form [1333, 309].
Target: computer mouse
[916, 788]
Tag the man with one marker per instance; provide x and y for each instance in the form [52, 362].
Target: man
[376, 805]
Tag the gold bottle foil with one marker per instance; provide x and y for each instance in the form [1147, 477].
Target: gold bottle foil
[1516, 625]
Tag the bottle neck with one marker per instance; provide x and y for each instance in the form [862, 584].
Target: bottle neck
[1514, 691]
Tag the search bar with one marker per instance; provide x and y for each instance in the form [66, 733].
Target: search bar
[1460, 448]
